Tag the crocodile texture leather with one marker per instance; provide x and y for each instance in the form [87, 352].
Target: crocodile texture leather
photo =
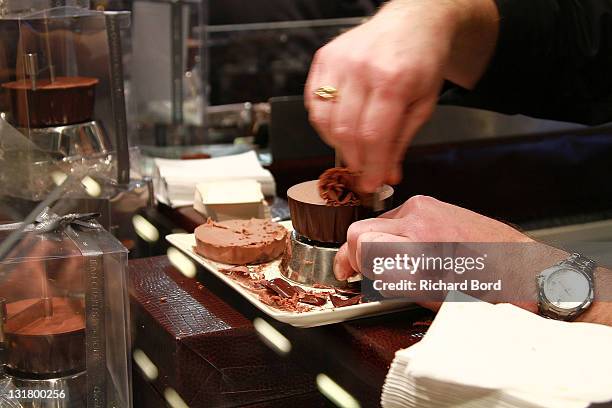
[204, 349]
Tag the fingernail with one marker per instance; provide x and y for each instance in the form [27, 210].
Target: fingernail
[395, 177]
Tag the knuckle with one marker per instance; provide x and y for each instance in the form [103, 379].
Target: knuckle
[368, 135]
[355, 230]
[342, 133]
[357, 62]
[417, 229]
[320, 55]
[318, 118]
[386, 79]
[418, 203]
[327, 54]
[424, 112]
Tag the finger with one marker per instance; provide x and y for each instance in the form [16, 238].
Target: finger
[379, 126]
[322, 72]
[375, 237]
[370, 225]
[345, 119]
[321, 110]
[342, 266]
[413, 120]
[313, 78]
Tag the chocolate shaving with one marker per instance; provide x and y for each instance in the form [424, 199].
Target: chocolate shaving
[336, 187]
[312, 299]
[287, 304]
[280, 286]
[284, 290]
[241, 269]
[210, 221]
[242, 275]
[280, 294]
[337, 301]
[347, 292]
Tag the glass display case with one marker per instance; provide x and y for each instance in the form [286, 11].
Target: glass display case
[57, 111]
[63, 111]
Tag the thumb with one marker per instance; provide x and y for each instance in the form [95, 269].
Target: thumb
[342, 264]
[380, 237]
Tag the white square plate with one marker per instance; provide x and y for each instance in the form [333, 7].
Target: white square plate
[316, 316]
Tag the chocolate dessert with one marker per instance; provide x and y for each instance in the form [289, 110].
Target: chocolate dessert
[337, 187]
[65, 318]
[65, 101]
[42, 344]
[241, 242]
[326, 220]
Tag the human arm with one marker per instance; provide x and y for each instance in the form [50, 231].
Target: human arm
[514, 257]
[389, 72]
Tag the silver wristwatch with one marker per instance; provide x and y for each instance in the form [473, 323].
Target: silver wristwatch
[566, 290]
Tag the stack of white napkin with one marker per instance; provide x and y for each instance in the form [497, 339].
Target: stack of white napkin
[481, 355]
[176, 179]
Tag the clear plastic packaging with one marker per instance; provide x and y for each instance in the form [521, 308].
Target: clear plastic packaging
[65, 315]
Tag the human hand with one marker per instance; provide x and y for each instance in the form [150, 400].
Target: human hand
[423, 219]
[389, 72]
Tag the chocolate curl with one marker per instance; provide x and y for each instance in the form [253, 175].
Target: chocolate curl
[336, 187]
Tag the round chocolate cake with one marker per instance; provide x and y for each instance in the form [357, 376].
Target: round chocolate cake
[241, 242]
[67, 101]
[46, 345]
[322, 210]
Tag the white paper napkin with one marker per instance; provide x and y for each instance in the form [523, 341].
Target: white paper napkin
[176, 179]
[477, 354]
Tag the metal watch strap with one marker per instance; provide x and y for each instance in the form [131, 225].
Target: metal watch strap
[580, 262]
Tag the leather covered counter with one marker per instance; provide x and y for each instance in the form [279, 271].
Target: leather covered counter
[204, 349]
[200, 336]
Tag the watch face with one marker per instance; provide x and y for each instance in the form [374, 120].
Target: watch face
[566, 288]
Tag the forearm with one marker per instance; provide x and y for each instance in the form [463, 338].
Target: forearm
[474, 41]
[520, 283]
[468, 32]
